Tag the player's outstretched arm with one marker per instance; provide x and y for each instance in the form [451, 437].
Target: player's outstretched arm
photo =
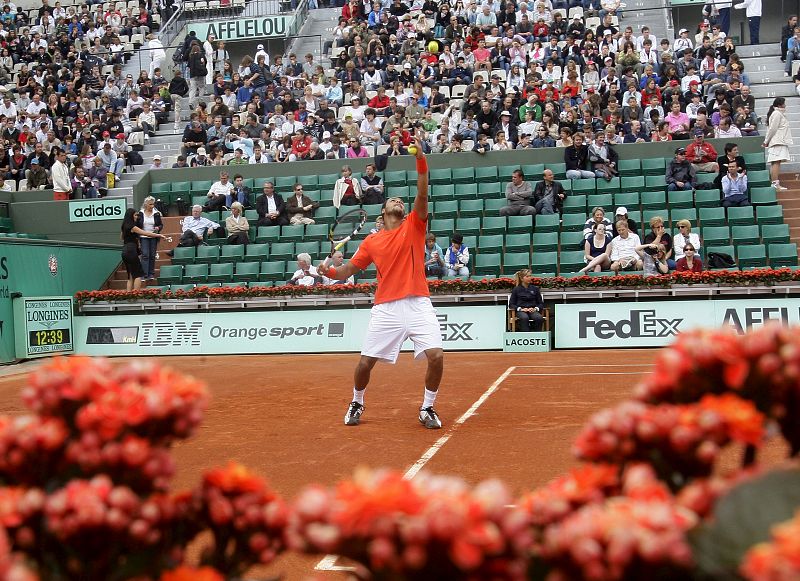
[421, 201]
[342, 272]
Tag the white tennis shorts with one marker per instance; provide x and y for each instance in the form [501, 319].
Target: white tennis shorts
[392, 323]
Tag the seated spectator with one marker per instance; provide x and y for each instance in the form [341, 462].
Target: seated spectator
[678, 122]
[527, 303]
[603, 158]
[372, 188]
[37, 175]
[731, 155]
[596, 250]
[734, 187]
[347, 190]
[680, 173]
[218, 193]
[456, 259]
[336, 261]
[434, 257]
[576, 158]
[112, 162]
[689, 262]
[518, 194]
[241, 193]
[727, 129]
[654, 259]
[622, 214]
[306, 274]
[195, 228]
[300, 207]
[236, 225]
[194, 136]
[623, 253]
[548, 195]
[82, 186]
[701, 154]
[597, 216]
[659, 235]
[271, 208]
[683, 237]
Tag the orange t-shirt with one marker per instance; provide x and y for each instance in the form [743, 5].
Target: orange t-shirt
[399, 257]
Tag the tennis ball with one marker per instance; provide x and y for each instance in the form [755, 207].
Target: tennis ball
[433, 47]
[412, 149]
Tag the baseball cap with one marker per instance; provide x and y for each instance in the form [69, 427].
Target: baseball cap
[106, 134]
[35, 160]
[693, 83]
[156, 156]
[505, 113]
[407, 66]
[697, 132]
[201, 151]
[681, 151]
[326, 135]
[621, 211]
[260, 47]
[120, 136]
[673, 83]
[682, 30]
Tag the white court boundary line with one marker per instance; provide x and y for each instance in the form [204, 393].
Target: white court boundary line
[328, 562]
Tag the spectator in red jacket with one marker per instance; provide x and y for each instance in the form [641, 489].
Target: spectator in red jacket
[301, 145]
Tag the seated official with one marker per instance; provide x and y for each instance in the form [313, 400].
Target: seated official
[195, 228]
[526, 301]
[236, 225]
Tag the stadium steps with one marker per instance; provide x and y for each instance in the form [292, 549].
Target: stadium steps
[790, 200]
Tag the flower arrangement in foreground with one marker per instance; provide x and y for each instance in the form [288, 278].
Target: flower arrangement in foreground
[763, 276]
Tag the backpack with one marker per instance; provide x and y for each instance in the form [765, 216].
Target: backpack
[720, 260]
[135, 158]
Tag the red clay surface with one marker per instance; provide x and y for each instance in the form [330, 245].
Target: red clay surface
[285, 420]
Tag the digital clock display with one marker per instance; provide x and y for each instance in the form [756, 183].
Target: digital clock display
[49, 337]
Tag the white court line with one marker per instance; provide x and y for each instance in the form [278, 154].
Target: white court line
[328, 563]
[568, 374]
[586, 365]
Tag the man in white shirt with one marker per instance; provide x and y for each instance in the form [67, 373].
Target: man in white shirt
[336, 261]
[306, 274]
[258, 156]
[8, 108]
[218, 192]
[194, 228]
[36, 106]
[59, 172]
[623, 249]
[261, 52]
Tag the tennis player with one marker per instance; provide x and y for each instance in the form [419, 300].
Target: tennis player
[403, 308]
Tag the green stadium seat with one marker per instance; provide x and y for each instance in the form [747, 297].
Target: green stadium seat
[755, 161]
[439, 176]
[712, 216]
[545, 241]
[470, 208]
[706, 199]
[494, 225]
[207, 254]
[573, 222]
[559, 170]
[471, 241]
[654, 167]
[490, 190]
[769, 215]
[325, 215]
[486, 174]
[782, 254]
[657, 183]
[327, 181]
[399, 192]
[181, 189]
[533, 172]
[310, 247]
[602, 200]
[705, 178]
[200, 187]
[575, 204]
[487, 263]
[654, 200]
[213, 216]
[221, 272]
[352, 246]
[491, 207]
[629, 167]
[447, 209]
[268, 234]
[683, 214]
[256, 252]
[315, 232]
[490, 244]
[170, 274]
[584, 186]
[246, 271]
[716, 235]
[282, 251]
[272, 271]
[285, 184]
[466, 191]
[517, 243]
[517, 224]
[316, 196]
[251, 215]
[232, 253]
[758, 178]
[544, 262]
[775, 233]
[292, 233]
[394, 178]
[632, 183]
[746, 235]
[443, 227]
[720, 248]
[443, 192]
[258, 184]
[547, 223]
[161, 189]
[571, 240]
[741, 216]
[571, 261]
[504, 172]
[233, 285]
[515, 261]
[195, 273]
[763, 196]
[467, 226]
[752, 255]
[680, 199]
[610, 186]
[184, 254]
[463, 175]
[630, 200]
[308, 181]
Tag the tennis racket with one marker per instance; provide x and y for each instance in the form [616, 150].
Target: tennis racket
[346, 226]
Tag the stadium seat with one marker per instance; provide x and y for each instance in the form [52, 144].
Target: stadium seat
[400, 192]
[533, 172]
[256, 252]
[444, 192]
[583, 186]
[184, 254]
[491, 243]
[654, 167]
[630, 200]
[545, 241]
[327, 181]
[394, 178]
[161, 190]
[575, 204]
[487, 263]
[251, 215]
[514, 261]
[775, 233]
[516, 243]
[762, 196]
[706, 198]
[716, 235]
[325, 215]
[467, 226]
[200, 187]
[293, 233]
[195, 273]
[207, 254]
[352, 246]
[741, 216]
[504, 172]
[571, 240]
[285, 184]
[655, 183]
[704, 178]
[486, 174]
[547, 223]
[213, 216]
[493, 225]
[491, 207]
[648, 215]
[571, 261]
[746, 235]
[684, 214]
[573, 222]
[232, 253]
[751, 255]
[181, 189]
[782, 255]
[754, 161]
[769, 215]
[544, 262]
[720, 248]
[246, 271]
[439, 176]
[268, 234]
[517, 224]
[611, 186]
[221, 272]
[444, 227]
[680, 199]
[712, 216]
[629, 167]
[272, 271]
[315, 232]
[282, 251]
[489, 190]
[180, 287]
[463, 175]
[601, 200]
[758, 178]
[170, 274]
[308, 181]
[310, 247]
[559, 170]
[446, 209]
[470, 208]
[466, 191]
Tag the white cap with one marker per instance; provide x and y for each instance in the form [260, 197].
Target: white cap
[156, 156]
[505, 113]
[201, 151]
[682, 30]
[621, 211]
[326, 135]
[260, 47]
[407, 66]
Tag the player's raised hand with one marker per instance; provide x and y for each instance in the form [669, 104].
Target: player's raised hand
[416, 148]
[322, 268]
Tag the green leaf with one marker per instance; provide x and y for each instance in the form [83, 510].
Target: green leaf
[741, 519]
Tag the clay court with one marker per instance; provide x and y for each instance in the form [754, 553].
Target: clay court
[510, 416]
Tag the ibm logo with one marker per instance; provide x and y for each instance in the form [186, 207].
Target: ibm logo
[171, 334]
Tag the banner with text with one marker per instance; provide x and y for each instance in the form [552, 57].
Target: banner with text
[312, 331]
[247, 28]
[43, 326]
[97, 209]
[651, 324]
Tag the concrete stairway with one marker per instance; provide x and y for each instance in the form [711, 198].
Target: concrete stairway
[790, 200]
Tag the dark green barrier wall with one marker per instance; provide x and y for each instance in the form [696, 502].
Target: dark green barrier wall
[52, 218]
[41, 268]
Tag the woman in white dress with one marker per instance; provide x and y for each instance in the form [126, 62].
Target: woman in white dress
[777, 140]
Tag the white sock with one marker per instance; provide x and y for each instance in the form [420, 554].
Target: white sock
[430, 397]
[358, 395]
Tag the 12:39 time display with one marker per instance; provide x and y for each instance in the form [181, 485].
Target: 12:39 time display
[49, 337]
